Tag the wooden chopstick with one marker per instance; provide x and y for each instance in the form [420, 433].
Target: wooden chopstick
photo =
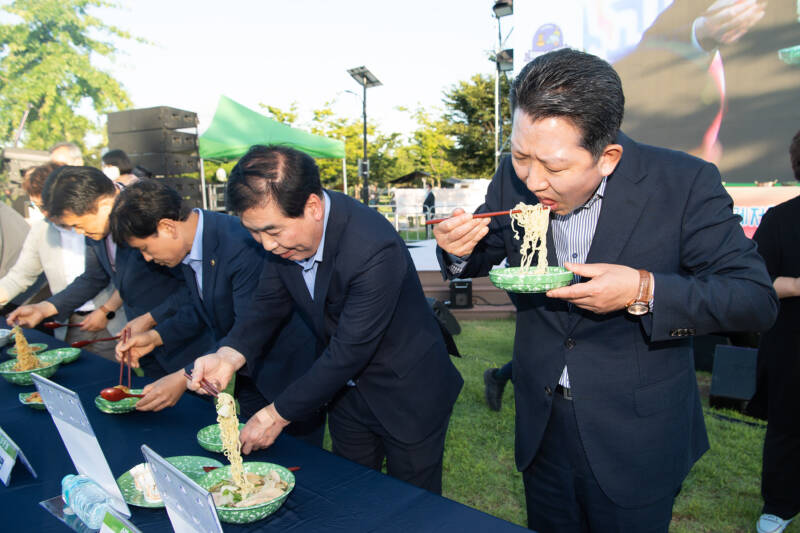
[208, 387]
[479, 215]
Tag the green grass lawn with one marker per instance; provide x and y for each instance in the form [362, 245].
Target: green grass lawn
[721, 494]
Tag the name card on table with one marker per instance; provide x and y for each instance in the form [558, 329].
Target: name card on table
[9, 453]
[73, 425]
[114, 523]
[190, 507]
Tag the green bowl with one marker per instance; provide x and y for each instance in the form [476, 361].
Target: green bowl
[126, 405]
[67, 355]
[514, 279]
[23, 396]
[191, 465]
[209, 438]
[23, 377]
[245, 515]
[36, 347]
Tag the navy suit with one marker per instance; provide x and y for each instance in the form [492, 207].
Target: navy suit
[635, 393]
[232, 264]
[371, 316]
[144, 288]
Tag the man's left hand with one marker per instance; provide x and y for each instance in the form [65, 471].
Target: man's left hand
[262, 429]
[611, 287]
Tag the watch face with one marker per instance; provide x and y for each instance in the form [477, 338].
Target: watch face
[638, 308]
[110, 315]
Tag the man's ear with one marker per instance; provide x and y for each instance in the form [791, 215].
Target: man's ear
[167, 228]
[315, 207]
[609, 159]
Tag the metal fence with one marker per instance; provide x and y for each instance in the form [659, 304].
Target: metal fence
[410, 222]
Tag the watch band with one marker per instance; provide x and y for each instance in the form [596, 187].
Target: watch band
[641, 304]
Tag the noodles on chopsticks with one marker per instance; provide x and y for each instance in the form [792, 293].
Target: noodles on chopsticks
[532, 220]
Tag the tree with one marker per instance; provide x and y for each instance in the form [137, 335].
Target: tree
[470, 113]
[46, 67]
[429, 146]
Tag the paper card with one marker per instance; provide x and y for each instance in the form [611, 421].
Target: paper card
[9, 453]
[190, 507]
[114, 523]
[76, 432]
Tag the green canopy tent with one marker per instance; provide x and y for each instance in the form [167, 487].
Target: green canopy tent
[235, 128]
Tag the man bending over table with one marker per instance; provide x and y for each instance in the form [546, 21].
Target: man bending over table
[383, 367]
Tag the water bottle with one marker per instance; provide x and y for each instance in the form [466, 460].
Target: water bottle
[86, 499]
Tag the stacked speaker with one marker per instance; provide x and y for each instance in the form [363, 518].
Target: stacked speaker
[150, 138]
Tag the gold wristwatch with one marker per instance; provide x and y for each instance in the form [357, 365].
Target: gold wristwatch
[641, 304]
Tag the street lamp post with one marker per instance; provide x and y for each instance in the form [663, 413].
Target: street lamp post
[366, 79]
[502, 8]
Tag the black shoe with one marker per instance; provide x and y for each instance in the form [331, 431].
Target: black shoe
[494, 389]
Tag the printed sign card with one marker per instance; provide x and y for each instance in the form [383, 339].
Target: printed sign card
[9, 453]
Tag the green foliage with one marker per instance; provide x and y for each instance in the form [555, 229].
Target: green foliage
[470, 119]
[46, 65]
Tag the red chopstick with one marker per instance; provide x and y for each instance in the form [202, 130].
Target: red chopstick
[479, 215]
[208, 387]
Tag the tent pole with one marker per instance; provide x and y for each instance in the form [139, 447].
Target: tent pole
[203, 184]
[344, 175]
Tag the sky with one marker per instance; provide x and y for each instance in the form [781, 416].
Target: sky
[279, 52]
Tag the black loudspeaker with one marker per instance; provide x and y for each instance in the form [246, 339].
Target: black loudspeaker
[152, 141]
[151, 118]
[733, 379]
[166, 163]
[461, 294]
[188, 188]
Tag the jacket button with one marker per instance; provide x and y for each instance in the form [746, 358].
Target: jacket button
[548, 390]
[569, 344]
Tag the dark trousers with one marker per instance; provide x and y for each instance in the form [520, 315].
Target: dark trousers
[562, 494]
[310, 429]
[359, 436]
[780, 471]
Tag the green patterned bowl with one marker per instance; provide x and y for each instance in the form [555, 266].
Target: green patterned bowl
[209, 438]
[23, 397]
[23, 377]
[126, 405]
[67, 355]
[514, 279]
[191, 465]
[245, 515]
[36, 347]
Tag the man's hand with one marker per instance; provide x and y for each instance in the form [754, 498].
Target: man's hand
[29, 316]
[611, 287]
[95, 321]
[262, 429]
[725, 21]
[138, 346]
[162, 393]
[141, 323]
[217, 368]
[460, 234]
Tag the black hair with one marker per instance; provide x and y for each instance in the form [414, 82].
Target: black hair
[139, 208]
[577, 86]
[794, 155]
[119, 159]
[75, 190]
[35, 178]
[278, 173]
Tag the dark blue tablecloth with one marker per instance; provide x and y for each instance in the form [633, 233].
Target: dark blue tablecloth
[331, 493]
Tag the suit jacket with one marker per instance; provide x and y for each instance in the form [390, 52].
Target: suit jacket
[635, 392]
[371, 316]
[42, 252]
[232, 264]
[144, 287]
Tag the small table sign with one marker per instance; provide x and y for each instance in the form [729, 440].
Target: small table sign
[9, 453]
[114, 523]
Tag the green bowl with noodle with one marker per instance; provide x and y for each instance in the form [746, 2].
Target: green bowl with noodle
[245, 515]
[23, 377]
[515, 279]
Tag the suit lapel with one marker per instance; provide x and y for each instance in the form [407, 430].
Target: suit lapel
[335, 226]
[210, 244]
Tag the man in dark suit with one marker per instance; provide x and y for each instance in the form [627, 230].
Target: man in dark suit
[383, 366]
[81, 198]
[221, 264]
[608, 417]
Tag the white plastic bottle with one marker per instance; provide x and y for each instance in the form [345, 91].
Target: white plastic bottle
[86, 499]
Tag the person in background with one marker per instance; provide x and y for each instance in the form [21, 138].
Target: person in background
[429, 207]
[608, 413]
[60, 254]
[66, 153]
[494, 383]
[778, 239]
[118, 168]
[13, 230]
